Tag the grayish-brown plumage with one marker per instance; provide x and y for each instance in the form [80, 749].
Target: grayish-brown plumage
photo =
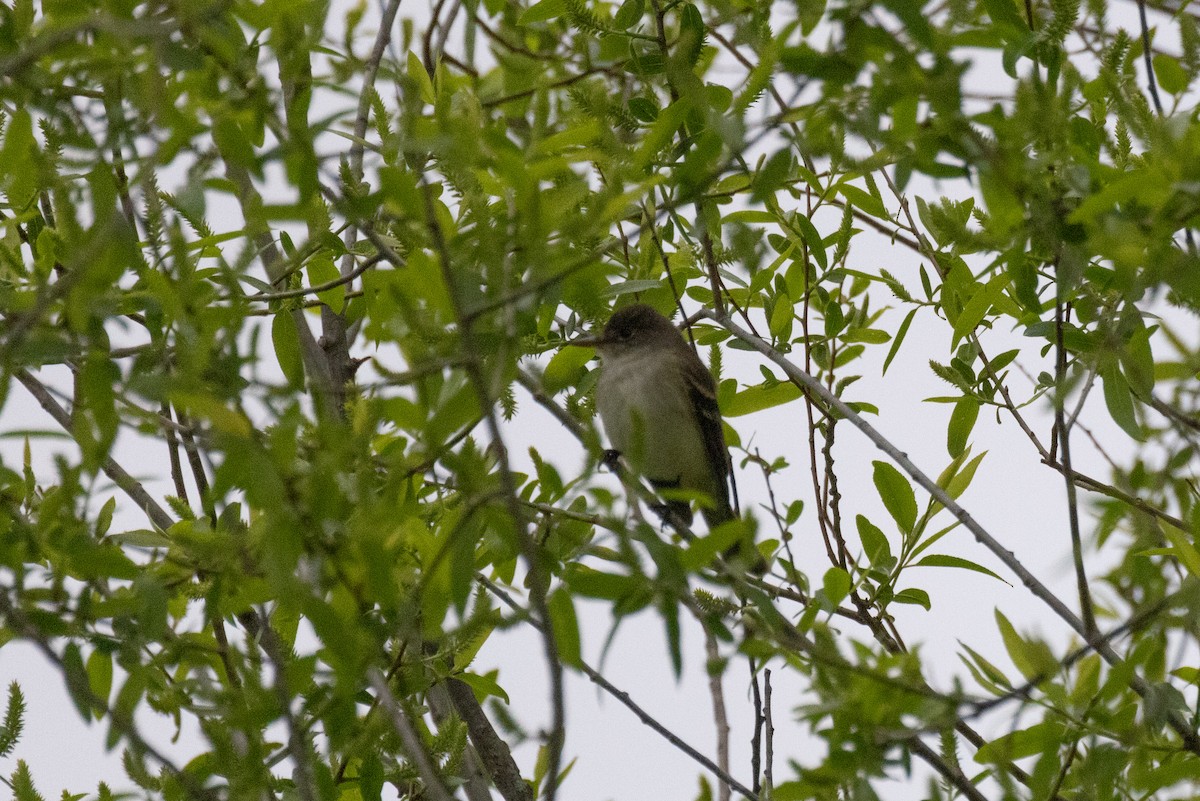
[659, 406]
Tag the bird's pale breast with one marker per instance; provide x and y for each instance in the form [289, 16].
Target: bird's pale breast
[648, 416]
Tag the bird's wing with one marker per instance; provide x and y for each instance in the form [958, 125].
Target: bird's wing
[703, 391]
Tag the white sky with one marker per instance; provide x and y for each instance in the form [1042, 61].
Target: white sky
[1013, 496]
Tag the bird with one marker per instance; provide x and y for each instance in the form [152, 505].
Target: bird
[658, 403]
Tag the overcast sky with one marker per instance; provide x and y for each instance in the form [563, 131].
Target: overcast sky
[1013, 496]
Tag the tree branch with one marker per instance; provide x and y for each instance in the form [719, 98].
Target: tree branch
[805, 381]
[131, 486]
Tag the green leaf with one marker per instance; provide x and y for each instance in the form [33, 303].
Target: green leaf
[1189, 674]
[1171, 76]
[591, 583]
[565, 368]
[702, 550]
[643, 108]
[812, 238]
[984, 671]
[370, 778]
[141, 538]
[962, 479]
[1137, 360]
[756, 398]
[287, 348]
[691, 35]
[20, 157]
[1148, 186]
[774, 174]
[484, 686]
[1040, 738]
[809, 14]
[1119, 401]
[896, 494]
[962, 421]
[416, 71]
[836, 585]
[104, 517]
[662, 130]
[914, 596]
[875, 543]
[628, 14]
[565, 626]
[863, 201]
[1033, 658]
[1184, 548]
[78, 686]
[234, 143]
[900, 334]
[978, 306]
[100, 676]
[321, 270]
[872, 336]
[128, 698]
[943, 560]
[780, 324]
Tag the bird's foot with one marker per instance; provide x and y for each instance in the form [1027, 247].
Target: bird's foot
[676, 515]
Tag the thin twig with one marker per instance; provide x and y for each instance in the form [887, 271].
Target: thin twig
[759, 720]
[949, 771]
[1064, 441]
[769, 768]
[131, 486]
[409, 736]
[1151, 80]
[624, 698]
[333, 283]
[1139, 685]
[18, 621]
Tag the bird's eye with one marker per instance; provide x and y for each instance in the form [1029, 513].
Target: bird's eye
[626, 333]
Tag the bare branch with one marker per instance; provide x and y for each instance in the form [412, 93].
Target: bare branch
[1139, 685]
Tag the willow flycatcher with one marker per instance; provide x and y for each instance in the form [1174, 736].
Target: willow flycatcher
[659, 406]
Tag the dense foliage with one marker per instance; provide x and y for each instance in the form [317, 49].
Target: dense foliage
[288, 273]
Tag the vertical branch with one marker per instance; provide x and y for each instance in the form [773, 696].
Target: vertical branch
[1151, 79]
[327, 393]
[370, 70]
[769, 766]
[493, 752]
[303, 774]
[427, 51]
[410, 737]
[1152, 82]
[823, 521]
[173, 454]
[474, 778]
[1063, 432]
[756, 738]
[710, 261]
[335, 335]
[538, 579]
[720, 718]
[199, 476]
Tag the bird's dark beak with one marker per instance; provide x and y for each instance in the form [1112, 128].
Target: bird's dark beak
[586, 342]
